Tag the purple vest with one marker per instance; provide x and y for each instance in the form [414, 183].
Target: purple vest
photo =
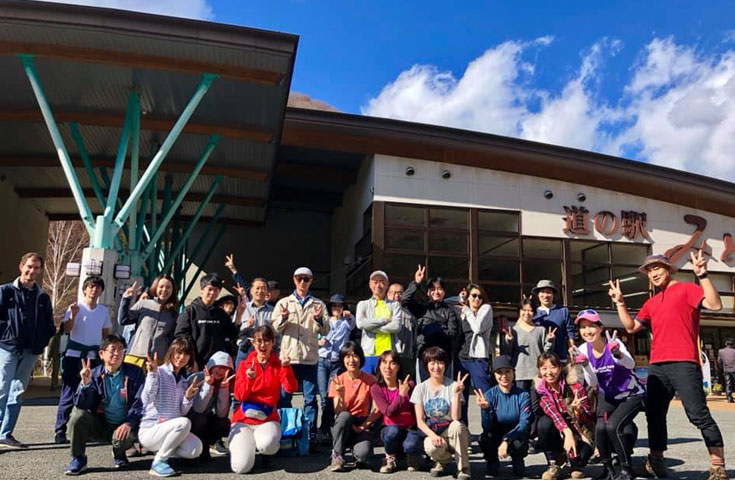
[612, 378]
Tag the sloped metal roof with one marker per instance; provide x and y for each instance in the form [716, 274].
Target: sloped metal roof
[88, 60]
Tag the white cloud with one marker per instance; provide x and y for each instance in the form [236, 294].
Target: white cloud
[198, 9]
[677, 107]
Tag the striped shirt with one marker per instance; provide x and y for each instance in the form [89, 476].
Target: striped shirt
[163, 397]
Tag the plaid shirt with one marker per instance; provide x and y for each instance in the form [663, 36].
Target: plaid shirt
[552, 403]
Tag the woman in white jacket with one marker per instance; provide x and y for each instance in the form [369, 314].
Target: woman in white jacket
[167, 398]
[476, 346]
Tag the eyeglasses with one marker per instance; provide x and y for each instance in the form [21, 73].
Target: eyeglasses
[475, 295]
[115, 350]
[303, 279]
[261, 340]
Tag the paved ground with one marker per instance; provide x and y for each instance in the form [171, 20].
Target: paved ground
[44, 460]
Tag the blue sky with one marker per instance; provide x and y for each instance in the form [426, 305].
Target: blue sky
[652, 81]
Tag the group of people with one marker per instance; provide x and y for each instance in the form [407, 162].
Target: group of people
[401, 370]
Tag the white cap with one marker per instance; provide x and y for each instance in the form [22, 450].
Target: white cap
[379, 273]
[303, 271]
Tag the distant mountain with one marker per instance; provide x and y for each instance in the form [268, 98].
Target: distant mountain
[301, 100]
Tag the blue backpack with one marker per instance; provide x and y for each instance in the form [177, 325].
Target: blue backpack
[294, 433]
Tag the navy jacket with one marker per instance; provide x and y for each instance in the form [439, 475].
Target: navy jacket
[14, 334]
[92, 398]
[558, 318]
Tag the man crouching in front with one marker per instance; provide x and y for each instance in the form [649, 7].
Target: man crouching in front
[107, 406]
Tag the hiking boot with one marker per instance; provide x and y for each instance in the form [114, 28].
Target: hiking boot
[577, 473]
[519, 467]
[437, 470]
[413, 463]
[552, 472]
[656, 466]
[11, 442]
[161, 468]
[389, 464]
[338, 463]
[464, 474]
[492, 468]
[76, 466]
[717, 473]
[60, 439]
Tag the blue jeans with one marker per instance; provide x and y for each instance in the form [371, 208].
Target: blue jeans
[327, 369]
[15, 370]
[396, 439]
[307, 376]
[481, 376]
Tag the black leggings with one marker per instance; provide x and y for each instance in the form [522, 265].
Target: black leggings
[553, 444]
[615, 429]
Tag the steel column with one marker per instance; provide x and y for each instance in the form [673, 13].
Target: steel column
[182, 193]
[77, 136]
[61, 151]
[134, 164]
[192, 223]
[205, 235]
[199, 93]
[217, 237]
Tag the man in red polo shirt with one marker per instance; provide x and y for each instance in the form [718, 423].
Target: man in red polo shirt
[673, 317]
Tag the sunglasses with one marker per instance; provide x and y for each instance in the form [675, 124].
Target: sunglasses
[475, 295]
[303, 279]
[586, 312]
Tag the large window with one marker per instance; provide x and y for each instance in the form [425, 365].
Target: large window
[723, 283]
[593, 264]
[488, 247]
[436, 237]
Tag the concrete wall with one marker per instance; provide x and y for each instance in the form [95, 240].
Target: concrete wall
[289, 239]
[483, 188]
[23, 228]
[347, 224]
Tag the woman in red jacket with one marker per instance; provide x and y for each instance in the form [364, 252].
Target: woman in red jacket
[256, 427]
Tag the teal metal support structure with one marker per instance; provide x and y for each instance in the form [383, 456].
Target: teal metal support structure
[204, 237]
[147, 176]
[134, 164]
[176, 249]
[180, 197]
[77, 136]
[217, 238]
[68, 167]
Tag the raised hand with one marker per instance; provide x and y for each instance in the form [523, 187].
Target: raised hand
[551, 333]
[193, 388]
[481, 400]
[403, 386]
[418, 277]
[338, 387]
[579, 398]
[130, 291]
[616, 293]
[699, 263]
[285, 361]
[240, 291]
[74, 309]
[250, 321]
[317, 311]
[612, 342]
[250, 372]
[227, 380]
[86, 372]
[151, 364]
[230, 262]
[346, 313]
[459, 384]
[208, 377]
[508, 334]
[284, 311]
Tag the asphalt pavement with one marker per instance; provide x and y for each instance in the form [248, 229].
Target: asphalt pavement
[686, 457]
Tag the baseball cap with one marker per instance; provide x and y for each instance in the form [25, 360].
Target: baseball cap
[379, 273]
[303, 271]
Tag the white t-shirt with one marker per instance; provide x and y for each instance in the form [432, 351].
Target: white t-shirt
[87, 329]
[437, 404]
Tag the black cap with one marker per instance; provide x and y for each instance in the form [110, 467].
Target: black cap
[503, 361]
